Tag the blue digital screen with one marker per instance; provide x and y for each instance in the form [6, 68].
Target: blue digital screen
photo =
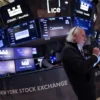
[3, 40]
[22, 33]
[58, 26]
[24, 64]
[25, 52]
[85, 24]
[53, 59]
[6, 53]
[7, 67]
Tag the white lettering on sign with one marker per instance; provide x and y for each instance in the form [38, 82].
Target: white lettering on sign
[19, 17]
[53, 85]
[35, 88]
[26, 15]
[11, 20]
[87, 14]
[83, 13]
[54, 10]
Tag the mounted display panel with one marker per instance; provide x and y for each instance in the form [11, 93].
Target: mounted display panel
[83, 9]
[22, 33]
[51, 27]
[3, 38]
[16, 12]
[23, 52]
[7, 67]
[6, 53]
[87, 25]
[24, 64]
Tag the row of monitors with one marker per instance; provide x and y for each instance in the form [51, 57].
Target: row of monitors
[17, 53]
[13, 66]
[18, 11]
[20, 65]
[49, 27]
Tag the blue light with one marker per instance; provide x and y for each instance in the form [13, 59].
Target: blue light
[87, 2]
[53, 59]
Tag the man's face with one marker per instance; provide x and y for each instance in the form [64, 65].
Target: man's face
[80, 38]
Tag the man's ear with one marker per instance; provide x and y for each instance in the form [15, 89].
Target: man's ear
[74, 36]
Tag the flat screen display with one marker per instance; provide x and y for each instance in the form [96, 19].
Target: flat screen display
[7, 67]
[25, 52]
[85, 24]
[38, 51]
[34, 51]
[51, 27]
[6, 53]
[3, 40]
[83, 8]
[22, 33]
[16, 12]
[24, 64]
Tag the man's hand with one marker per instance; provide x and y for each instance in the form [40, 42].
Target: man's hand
[96, 51]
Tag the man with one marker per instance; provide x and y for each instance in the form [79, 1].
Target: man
[78, 69]
[46, 62]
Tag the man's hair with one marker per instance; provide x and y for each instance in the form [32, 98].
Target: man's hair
[74, 30]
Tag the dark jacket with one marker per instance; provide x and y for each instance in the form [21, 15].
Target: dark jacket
[80, 71]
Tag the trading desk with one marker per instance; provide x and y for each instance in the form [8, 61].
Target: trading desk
[46, 84]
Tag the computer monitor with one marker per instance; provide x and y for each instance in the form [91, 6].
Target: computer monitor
[24, 65]
[23, 52]
[83, 8]
[34, 51]
[3, 39]
[85, 24]
[22, 33]
[58, 26]
[16, 12]
[38, 51]
[6, 53]
[7, 67]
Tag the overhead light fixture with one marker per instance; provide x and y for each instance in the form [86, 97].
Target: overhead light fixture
[66, 2]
